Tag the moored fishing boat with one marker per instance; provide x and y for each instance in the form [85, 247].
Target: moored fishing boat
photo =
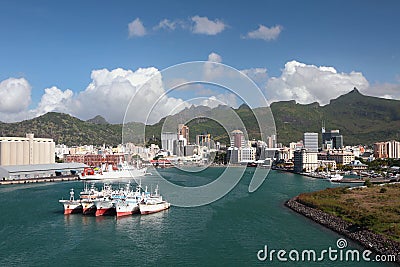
[130, 204]
[87, 196]
[125, 207]
[88, 207]
[105, 204]
[152, 203]
[71, 205]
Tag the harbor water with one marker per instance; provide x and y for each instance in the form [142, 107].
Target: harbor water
[229, 232]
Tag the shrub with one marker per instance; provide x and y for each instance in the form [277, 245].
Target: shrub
[367, 183]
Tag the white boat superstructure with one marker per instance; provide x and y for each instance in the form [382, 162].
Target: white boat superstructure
[71, 205]
[124, 171]
[105, 202]
[335, 177]
[130, 204]
[152, 203]
[87, 196]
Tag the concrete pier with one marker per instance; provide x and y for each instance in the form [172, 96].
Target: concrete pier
[41, 180]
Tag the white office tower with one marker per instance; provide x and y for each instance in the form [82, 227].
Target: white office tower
[311, 141]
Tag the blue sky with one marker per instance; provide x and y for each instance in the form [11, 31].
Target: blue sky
[59, 43]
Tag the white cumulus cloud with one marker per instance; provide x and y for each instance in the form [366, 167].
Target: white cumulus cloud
[309, 83]
[258, 75]
[166, 24]
[136, 28]
[202, 25]
[214, 57]
[385, 90]
[265, 33]
[211, 70]
[15, 95]
[54, 99]
[227, 99]
[109, 94]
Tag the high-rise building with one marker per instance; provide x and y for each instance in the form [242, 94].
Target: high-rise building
[311, 141]
[26, 151]
[332, 139]
[389, 149]
[337, 142]
[380, 150]
[183, 131]
[179, 147]
[305, 161]
[271, 141]
[247, 154]
[167, 141]
[232, 155]
[203, 140]
[237, 139]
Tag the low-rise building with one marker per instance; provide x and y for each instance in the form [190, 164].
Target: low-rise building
[284, 154]
[338, 155]
[327, 164]
[96, 160]
[61, 151]
[40, 170]
[356, 165]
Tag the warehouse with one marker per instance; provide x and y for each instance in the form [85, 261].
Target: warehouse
[40, 170]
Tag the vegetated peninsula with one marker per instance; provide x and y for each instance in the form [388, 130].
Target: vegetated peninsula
[368, 214]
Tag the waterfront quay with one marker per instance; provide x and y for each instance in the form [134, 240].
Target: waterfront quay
[346, 180]
[350, 180]
[41, 180]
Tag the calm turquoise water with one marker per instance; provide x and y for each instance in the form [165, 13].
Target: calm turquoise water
[229, 232]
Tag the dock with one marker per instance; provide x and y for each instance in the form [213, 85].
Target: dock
[350, 180]
[41, 180]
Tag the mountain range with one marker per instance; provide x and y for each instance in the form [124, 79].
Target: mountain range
[361, 119]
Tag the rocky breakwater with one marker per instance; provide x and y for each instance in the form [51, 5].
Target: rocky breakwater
[372, 241]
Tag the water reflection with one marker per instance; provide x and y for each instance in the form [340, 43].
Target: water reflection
[72, 219]
[154, 220]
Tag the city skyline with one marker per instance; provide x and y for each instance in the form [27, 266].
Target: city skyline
[82, 58]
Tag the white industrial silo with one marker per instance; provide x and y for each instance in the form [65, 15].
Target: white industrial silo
[42, 155]
[52, 152]
[5, 153]
[13, 152]
[20, 153]
[26, 152]
[36, 151]
[46, 153]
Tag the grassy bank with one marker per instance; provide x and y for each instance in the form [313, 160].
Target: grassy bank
[376, 208]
